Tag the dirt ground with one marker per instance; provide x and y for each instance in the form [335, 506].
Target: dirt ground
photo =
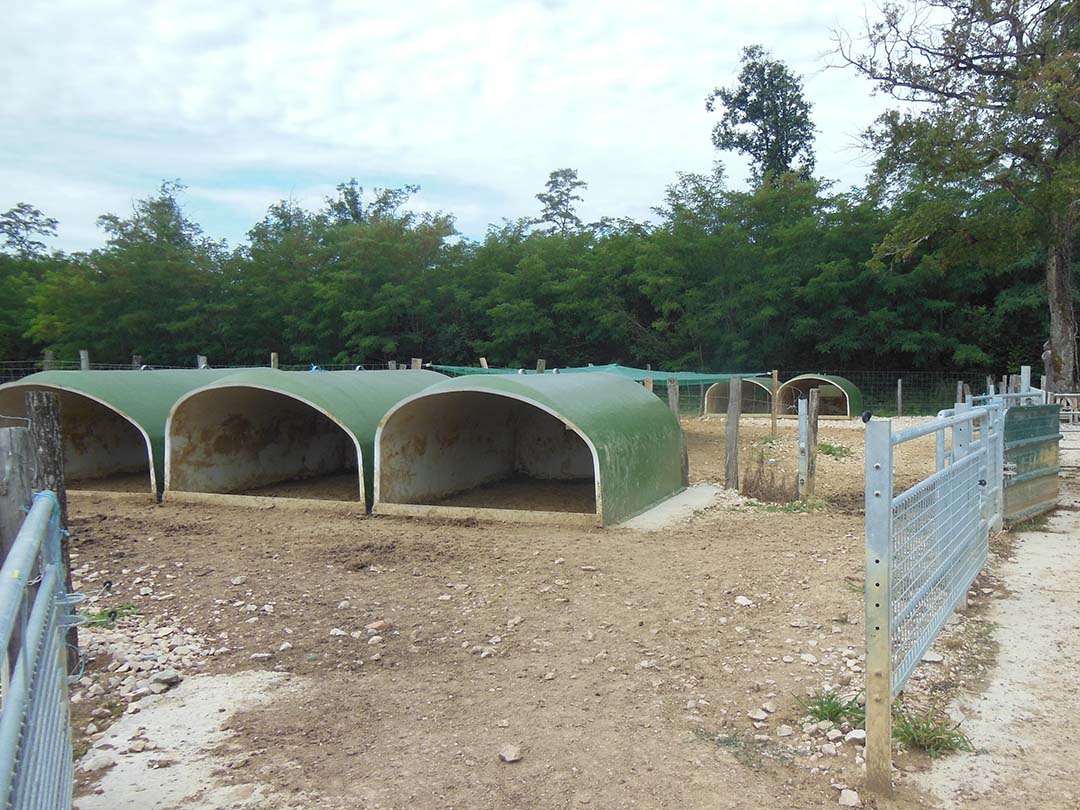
[621, 663]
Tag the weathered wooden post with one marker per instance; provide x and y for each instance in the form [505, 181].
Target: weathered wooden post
[775, 403]
[899, 396]
[814, 410]
[392, 365]
[673, 395]
[48, 360]
[731, 434]
[959, 391]
[84, 359]
[483, 362]
[541, 366]
[16, 485]
[1025, 379]
[648, 384]
[417, 363]
[47, 445]
[990, 384]
[273, 360]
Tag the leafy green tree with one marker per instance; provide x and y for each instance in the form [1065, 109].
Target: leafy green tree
[144, 293]
[765, 117]
[560, 211]
[996, 81]
[19, 226]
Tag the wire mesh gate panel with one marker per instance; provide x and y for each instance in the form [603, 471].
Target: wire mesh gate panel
[924, 546]
[36, 771]
[1032, 433]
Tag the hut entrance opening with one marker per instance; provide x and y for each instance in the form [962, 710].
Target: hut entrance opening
[832, 400]
[103, 450]
[485, 451]
[243, 440]
[756, 397]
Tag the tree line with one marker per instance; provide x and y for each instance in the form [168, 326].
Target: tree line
[958, 251]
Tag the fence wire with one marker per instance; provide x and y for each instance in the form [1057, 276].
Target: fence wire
[939, 543]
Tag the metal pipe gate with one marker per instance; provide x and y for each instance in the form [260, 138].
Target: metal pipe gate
[924, 547]
[36, 769]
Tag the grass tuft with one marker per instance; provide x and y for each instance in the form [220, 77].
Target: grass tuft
[833, 450]
[930, 731]
[828, 705]
[106, 617]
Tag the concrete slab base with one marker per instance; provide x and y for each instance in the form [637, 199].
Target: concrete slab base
[678, 508]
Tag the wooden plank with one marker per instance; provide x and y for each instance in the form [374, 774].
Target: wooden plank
[483, 362]
[731, 434]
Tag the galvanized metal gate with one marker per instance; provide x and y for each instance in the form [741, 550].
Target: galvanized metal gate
[1031, 460]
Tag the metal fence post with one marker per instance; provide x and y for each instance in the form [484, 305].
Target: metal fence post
[879, 495]
[804, 443]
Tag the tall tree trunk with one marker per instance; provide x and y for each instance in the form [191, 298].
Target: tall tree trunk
[1059, 293]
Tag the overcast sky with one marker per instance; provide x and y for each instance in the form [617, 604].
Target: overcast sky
[250, 102]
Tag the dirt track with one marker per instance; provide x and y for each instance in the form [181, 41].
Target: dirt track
[619, 661]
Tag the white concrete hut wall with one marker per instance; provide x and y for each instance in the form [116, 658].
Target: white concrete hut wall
[98, 441]
[229, 439]
[437, 445]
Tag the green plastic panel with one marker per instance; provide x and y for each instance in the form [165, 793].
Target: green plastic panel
[1031, 452]
[638, 442]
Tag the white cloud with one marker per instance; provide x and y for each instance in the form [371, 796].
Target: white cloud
[477, 101]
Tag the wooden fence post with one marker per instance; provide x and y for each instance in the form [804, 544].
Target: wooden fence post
[48, 360]
[483, 362]
[990, 384]
[731, 434]
[84, 359]
[648, 384]
[899, 397]
[16, 485]
[775, 404]
[541, 366]
[959, 391]
[673, 395]
[43, 408]
[273, 359]
[417, 363]
[201, 361]
[392, 365]
[811, 446]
